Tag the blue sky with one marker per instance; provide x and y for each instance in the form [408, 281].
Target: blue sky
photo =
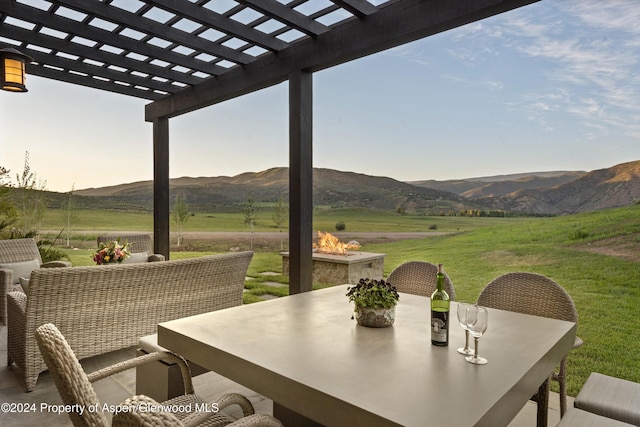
[550, 86]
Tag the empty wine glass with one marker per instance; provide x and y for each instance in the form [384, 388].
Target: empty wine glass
[462, 319]
[477, 319]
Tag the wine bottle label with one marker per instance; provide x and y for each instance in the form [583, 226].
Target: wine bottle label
[439, 326]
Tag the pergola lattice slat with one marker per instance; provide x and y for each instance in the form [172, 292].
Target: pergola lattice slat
[150, 26]
[229, 26]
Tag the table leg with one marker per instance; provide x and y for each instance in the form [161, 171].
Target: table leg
[291, 418]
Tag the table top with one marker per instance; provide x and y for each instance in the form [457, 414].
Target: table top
[305, 352]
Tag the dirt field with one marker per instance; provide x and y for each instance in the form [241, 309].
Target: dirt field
[627, 247]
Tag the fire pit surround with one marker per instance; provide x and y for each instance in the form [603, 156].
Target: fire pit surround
[342, 265]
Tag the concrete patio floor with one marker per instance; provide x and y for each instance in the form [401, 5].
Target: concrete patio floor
[121, 386]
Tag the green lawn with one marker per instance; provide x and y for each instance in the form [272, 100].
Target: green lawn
[605, 288]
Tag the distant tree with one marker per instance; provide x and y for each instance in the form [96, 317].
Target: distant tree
[71, 213]
[32, 201]
[250, 213]
[180, 215]
[280, 216]
[8, 213]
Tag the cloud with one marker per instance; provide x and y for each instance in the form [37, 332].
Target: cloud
[591, 50]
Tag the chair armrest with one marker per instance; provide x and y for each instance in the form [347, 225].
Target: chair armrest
[227, 399]
[17, 327]
[257, 420]
[135, 417]
[156, 257]
[6, 278]
[53, 264]
[16, 304]
[141, 360]
[223, 401]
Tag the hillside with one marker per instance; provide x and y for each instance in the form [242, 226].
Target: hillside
[330, 188]
[493, 186]
[599, 189]
[545, 193]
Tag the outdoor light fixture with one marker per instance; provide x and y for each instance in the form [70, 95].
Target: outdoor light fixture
[12, 69]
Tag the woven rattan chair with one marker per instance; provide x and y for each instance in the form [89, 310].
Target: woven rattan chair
[14, 251]
[74, 386]
[419, 278]
[538, 295]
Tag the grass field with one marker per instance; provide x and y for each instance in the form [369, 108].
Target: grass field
[594, 256]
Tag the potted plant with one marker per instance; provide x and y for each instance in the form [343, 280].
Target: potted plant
[374, 302]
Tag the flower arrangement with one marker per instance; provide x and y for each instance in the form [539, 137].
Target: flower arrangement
[111, 252]
[373, 294]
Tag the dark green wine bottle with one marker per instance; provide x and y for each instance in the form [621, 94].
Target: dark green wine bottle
[440, 312]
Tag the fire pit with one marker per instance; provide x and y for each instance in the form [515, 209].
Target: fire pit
[337, 263]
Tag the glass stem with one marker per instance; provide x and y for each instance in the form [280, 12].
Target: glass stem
[475, 342]
[466, 339]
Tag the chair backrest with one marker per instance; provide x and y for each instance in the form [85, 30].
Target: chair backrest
[19, 250]
[71, 380]
[419, 278]
[139, 242]
[529, 293]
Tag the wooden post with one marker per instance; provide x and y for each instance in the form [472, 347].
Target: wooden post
[300, 182]
[161, 186]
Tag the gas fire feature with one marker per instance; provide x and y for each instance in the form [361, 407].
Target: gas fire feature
[347, 267]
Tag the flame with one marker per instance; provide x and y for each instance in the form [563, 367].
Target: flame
[330, 244]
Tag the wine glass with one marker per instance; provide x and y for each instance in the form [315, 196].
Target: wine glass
[462, 319]
[477, 319]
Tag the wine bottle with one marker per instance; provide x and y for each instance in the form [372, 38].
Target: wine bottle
[440, 312]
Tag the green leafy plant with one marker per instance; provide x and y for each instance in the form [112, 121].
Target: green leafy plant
[48, 251]
[373, 294]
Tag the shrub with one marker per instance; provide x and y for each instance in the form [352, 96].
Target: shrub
[433, 227]
[340, 226]
[578, 233]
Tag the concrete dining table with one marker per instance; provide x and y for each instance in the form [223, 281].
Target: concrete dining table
[307, 354]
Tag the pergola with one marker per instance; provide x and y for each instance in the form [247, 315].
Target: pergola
[184, 55]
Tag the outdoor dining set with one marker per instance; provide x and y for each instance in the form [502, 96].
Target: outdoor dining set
[303, 351]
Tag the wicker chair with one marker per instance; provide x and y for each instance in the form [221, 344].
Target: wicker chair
[139, 243]
[74, 387]
[538, 295]
[23, 252]
[419, 278]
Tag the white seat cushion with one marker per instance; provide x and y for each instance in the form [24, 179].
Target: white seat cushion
[578, 418]
[20, 269]
[137, 257]
[24, 283]
[610, 397]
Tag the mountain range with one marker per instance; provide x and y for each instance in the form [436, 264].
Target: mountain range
[540, 193]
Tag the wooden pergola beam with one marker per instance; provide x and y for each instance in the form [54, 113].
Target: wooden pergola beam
[398, 23]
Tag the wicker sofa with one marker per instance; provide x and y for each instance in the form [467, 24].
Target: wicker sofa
[104, 308]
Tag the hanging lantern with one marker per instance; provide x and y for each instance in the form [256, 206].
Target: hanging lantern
[12, 70]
